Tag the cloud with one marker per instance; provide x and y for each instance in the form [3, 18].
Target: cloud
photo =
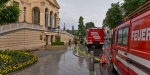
[90, 10]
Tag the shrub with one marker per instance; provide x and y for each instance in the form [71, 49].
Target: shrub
[57, 39]
[57, 43]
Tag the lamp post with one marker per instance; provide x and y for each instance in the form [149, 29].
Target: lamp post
[24, 11]
[58, 25]
[58, 29]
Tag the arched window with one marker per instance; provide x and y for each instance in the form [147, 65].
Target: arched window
[36, 15]
[46, 17]
[55, 21]
[51, 17]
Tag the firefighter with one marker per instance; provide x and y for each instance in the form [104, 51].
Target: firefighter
[70, 42]
[75, 42]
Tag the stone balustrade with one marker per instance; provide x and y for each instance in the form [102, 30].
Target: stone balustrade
[65, 32]
[19, 25]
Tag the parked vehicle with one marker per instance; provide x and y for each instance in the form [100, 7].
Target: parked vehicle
[130, 50]
[95, 37]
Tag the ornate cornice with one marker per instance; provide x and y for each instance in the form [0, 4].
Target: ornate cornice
[52, 4]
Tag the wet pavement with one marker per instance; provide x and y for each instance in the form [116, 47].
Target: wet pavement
[61, 62]
[105, 69]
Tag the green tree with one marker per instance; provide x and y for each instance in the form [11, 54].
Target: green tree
[68, 31]
[113, 16]
[8, 14]
[89, 25]
[130, 5]
[81, 27]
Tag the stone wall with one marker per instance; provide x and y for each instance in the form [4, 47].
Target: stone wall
[18, 36]
[22, 39]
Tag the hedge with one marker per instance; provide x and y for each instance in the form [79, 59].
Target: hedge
[57, 43]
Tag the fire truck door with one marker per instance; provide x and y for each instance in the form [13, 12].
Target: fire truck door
[122, 47]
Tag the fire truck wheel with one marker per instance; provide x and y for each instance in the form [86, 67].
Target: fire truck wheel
[89, 46]
[112, 68]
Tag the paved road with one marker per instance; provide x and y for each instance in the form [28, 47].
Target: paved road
[61, 62]
[105, 69]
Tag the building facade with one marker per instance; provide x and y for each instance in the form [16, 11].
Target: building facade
[36, 26]
[42, 12]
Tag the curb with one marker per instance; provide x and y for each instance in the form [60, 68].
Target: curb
[22, 69]
[79, 55]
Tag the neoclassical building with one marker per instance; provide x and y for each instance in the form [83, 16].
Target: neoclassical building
[36, 27]
[42, 12]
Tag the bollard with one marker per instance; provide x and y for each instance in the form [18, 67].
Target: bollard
[91, 66]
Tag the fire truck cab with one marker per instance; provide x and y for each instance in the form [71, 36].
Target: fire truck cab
[130, 50]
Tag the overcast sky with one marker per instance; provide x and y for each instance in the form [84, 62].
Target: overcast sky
[90, 10]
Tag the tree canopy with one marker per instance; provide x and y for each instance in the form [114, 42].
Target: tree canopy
[113, 16]
[89, 25]
[81, 27]
[74, 32]
[68, 31]
[130, 5]
[8, 14]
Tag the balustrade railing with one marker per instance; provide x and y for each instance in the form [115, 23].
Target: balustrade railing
[19, 25]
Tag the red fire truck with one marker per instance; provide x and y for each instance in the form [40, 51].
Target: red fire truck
[130, 50]
[95, 37]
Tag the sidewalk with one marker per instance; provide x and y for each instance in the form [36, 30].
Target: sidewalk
[61, 62]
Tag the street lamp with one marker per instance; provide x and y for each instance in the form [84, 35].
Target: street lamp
[24, 11]
[58, 29]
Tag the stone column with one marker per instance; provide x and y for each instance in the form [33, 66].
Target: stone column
[48, 19]
[53, 20]
[54, 38]
[42, 19]
[48, 40]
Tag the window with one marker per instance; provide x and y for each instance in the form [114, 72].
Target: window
[55, 18]
[120, 36]
[41, 37]
[51, 13]
[125, 36]
[46, 17]
[36, 15]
